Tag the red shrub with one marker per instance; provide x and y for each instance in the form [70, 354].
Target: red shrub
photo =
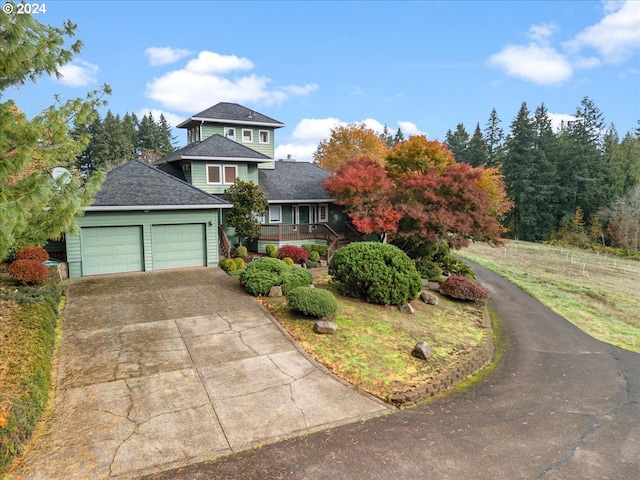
[28, 271]
[462, 288]
[297, 254]
[33, 253]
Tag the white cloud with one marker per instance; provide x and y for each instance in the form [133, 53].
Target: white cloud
[301, 152]
[165, 55]
[410, 129]
[171, 118]
[616, 36]
[541, 33]
[207, 80]
[557, 119]
[534, 63]
[315, 129]
[78, 74]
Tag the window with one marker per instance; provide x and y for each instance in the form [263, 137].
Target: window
[230, 133]
[193, 135]
[323, 212]
[264, 136]
[230, 174]
[247, 136]
[213, 174]
[275, 214]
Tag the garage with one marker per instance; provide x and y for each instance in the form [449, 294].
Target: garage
[176, 246]
[112, 249]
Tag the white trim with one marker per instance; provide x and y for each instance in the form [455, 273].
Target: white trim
[226, 134]
[320, 218]
[304, 201]
[279, 207]
[127, 208]
[260, 137]
[223, 159]
[231, 122]
[250, 130]
[220, 174]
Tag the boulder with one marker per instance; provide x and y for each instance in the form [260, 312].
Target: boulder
[275, 291]
[429, 298]
[323, 326]
[422, 350]
[407, 307]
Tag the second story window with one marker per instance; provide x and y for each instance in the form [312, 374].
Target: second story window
[247, 136]
[230, 133]
[264, 136]
[193, 135]
[230, 174]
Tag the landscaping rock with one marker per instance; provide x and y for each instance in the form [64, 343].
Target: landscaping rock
[429, 298]
[323, 263]
[422, 350]
[408, 308]
[312, 286]
[433, 286]
[323, 326]
[275, 291]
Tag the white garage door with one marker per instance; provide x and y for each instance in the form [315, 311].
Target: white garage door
[111, 250]
[176, 246]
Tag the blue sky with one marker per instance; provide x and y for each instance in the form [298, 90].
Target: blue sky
[424, 66]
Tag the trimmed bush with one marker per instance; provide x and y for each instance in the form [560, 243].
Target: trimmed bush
[462, 288]
[312, 264]
[241, 251]
[297, 254]
[314, 256]
[314, 302]
[38, 254]
[428, 269]
[28, 271]
[378, 272]
[227, 264]
[312, 247]
[271, 250]
[294, 278]
[239, 263]
[288, 261]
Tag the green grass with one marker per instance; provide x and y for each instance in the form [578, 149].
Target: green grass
[373, 344]
[598, 293]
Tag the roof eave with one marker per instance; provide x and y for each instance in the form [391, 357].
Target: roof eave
[186, 123]
[123, 208]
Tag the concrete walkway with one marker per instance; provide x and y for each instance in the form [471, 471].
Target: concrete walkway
[160, 370]
[559, 405]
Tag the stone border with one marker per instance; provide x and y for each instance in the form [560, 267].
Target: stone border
[455, 373]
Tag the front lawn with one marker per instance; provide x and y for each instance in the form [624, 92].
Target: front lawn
[372, 347]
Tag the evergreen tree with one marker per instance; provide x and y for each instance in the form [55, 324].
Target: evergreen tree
[458, 143]
[398, 137]
[477, 152]
[494, 136]
[35, 207]
[386, 136]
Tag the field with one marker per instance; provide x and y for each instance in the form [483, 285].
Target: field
[598, 293]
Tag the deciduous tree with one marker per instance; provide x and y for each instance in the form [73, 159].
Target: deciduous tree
[349, 141]
[249, 203]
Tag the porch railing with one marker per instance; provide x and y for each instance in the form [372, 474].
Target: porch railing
[225, 245]
[285, 232]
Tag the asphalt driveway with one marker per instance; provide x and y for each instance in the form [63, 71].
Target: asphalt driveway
[559, 405]
[164, 369]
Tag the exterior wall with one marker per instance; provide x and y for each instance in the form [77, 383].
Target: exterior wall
[267, 149]
[337, 217]
[246, 172]
[145, 220]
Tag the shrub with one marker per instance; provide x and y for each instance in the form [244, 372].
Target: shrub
[227, 264]
[288, 261]
[294, 278]
[28, 271]
[454, 266]
[312, 264]
[379, 273]
[262, 274]
[314, 256]
[428, 269]
[38, 254]
[239, 262]
[241, 251]
[462, 288]
[297, 254]
[314, 302]
[312, 247]
[271, 250]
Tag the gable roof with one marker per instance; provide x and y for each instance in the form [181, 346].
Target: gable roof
[215, 147]
[137, 186]
[231, 113]
[293, 182]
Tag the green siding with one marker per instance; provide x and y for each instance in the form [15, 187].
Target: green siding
[199, 175]
[144, 221]
[209, 129]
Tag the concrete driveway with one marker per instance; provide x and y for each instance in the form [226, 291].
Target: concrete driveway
[164, 369]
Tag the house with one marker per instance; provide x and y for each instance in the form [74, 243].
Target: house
[170, 216]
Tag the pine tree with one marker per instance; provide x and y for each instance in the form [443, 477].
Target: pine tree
[477, 152]
[494, 136]
[34, 207]
[458, 143]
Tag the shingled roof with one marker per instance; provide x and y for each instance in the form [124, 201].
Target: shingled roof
[294, 181]
[231, 113]
[135, 185]
[216, 147]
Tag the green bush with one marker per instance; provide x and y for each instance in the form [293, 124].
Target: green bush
[314, 256]
[239, 263]
[312, 247]
[312, 264]
[314, 302]
[241, 251]
[288, 261]
[379, 273]
[294, 278]
[271, 250]
[227, 264]
[428, 269]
